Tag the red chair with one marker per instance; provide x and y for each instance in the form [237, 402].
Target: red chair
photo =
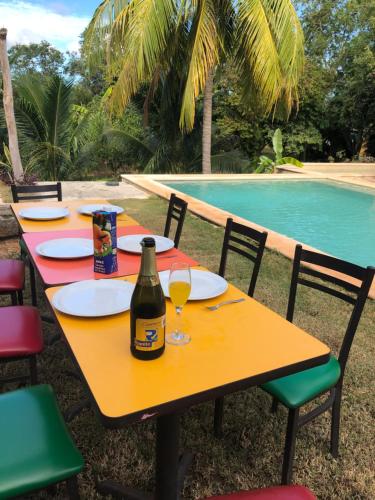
[20, 338]
[12, 279]
[293, 492]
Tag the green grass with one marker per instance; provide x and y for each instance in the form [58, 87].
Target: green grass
[249, 455]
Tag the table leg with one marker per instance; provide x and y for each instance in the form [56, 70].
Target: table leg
[167, 457]
[171, 467]
[34, 299]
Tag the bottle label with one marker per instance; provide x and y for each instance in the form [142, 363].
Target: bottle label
[149, 333]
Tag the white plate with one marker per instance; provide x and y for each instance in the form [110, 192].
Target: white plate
[66, 248]
[204, 284]
[89, 209]
[44, 213]
[94, 298]
[132, 243]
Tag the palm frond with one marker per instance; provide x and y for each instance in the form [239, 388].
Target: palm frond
[31, 89]
[98, 33]
[121, 135]
[203, 56]
[226, 20]
[51, 160]
[290, 40]
[30, 125]
[56, 111]
[137, 40]
[269, 53]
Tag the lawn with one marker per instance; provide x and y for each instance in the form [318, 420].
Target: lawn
[250, 452]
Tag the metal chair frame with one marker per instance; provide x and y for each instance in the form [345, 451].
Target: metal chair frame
[16, 297]
[355, 295]
[37, 192]
[176, 211]
[252, 250]
[34, 193]
[32, 377]
[248, 243]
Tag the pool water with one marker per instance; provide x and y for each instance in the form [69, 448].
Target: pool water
[329, 216]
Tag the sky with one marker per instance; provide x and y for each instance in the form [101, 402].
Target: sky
[60, 22]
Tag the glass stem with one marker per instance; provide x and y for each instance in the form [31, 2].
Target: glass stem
[178, 334]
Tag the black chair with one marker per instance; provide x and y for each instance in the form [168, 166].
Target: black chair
[296, 390]
[177, 211]
[36, 192]
[249, 243]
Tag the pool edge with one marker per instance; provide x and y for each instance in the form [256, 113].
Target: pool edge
[275, 241]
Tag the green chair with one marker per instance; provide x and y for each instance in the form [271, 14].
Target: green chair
[36, 448]
[294, 391]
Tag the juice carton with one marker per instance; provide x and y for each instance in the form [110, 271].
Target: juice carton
[105, 242]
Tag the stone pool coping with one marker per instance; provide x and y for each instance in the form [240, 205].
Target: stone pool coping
[275, 241]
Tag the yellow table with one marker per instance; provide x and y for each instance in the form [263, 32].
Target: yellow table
[75, 220]
[233, 348]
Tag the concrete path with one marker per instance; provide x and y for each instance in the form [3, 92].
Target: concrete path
[72, 190]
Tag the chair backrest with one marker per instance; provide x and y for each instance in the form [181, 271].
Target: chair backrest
[177, 211]
[36, 192]
[247, 242]
[353, 294]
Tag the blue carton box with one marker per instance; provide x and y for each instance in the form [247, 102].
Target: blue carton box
[105, 242]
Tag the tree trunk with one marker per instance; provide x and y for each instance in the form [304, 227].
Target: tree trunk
[207, 124]
[9, 109]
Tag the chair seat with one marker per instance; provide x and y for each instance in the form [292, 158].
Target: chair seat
[36, 447]
[12, 275]
[20, 332]
[293, 492]
[296, 390]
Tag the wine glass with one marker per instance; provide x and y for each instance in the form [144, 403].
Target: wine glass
[179, 291]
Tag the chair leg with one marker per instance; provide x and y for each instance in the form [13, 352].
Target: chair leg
[20, 297]
[72, 487]
[33, 370]
[13, 296]
[275, 404]
[335, 421]
[290, 445]
[32, 284]
[52, 490]
[218, 417]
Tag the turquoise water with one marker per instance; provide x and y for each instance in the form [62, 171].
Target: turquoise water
[334, 218]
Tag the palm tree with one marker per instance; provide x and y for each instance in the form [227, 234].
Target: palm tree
[12, 153]
[144, 40]
[49, 138]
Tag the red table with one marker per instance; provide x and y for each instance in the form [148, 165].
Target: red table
[59, 272]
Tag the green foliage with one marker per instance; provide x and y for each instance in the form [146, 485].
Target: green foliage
[236, 127]
[335, 119]
[46, 131]
[111, 145]
[143, 41]
[39, 58]
[268, 165]
[340, 48]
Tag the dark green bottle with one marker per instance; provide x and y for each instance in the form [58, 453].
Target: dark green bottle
[147, 308]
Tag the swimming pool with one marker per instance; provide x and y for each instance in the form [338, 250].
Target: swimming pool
[329, 216]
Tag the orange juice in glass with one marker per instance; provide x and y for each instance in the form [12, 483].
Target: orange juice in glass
[179, 291]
